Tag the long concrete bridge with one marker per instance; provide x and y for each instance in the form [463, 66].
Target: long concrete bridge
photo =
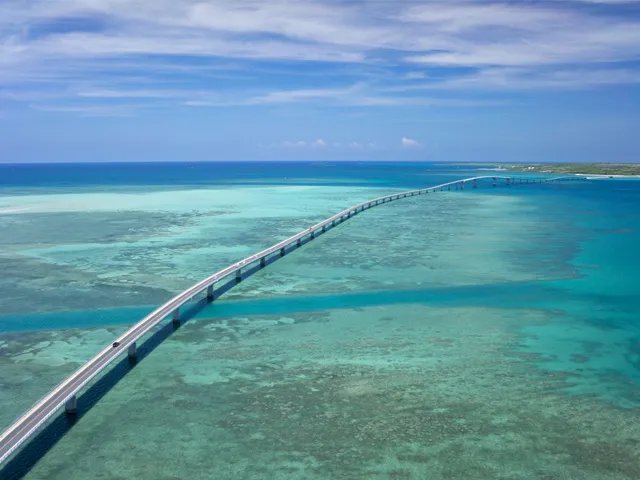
[65, 394]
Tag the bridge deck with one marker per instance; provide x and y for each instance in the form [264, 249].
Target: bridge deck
[25, 426]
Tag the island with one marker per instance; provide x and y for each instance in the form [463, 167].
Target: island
[595, 169]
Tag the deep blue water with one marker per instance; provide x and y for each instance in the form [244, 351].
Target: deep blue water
[220, 173]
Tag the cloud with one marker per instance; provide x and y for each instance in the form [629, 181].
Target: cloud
[114, 49]
[290, 96]
[88, 110]
[320, 143]
[409, 143]
[527, 78]
[306, 30]
[358, 95]
[414, 76]
[525, 35]
[298, 144]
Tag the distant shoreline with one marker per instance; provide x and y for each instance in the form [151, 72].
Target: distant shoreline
[596, 170]
[595, 175]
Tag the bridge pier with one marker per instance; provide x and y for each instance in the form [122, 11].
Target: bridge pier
[475, 183]
[176, 316]
[282, 252]
[263, 262]
[71, 407]
[495, 181]
[210, 293]
[462, 185]
[299, 242]
[313, 235]
[132, 351]
[238, 275]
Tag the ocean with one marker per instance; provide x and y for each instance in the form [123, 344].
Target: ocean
[491, 333]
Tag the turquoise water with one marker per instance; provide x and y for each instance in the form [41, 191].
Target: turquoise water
[493, 333]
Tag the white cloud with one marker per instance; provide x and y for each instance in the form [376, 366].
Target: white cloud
[298, 144]
[112, 93]
[360, 145]
[409, 143]
[320, 143]
[310, 30]
[414, 76]
[557, 44]
[525, 35]
[358, 95]
[520, 78]
[89, 110]
[289, 96]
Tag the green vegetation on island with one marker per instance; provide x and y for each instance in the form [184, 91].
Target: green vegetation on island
[580, 168]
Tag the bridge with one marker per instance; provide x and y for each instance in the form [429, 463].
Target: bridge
[65, 394]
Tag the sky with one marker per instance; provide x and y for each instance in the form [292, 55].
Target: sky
[386, 80]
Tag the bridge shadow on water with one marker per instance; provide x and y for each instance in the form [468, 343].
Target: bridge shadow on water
[34, 450]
